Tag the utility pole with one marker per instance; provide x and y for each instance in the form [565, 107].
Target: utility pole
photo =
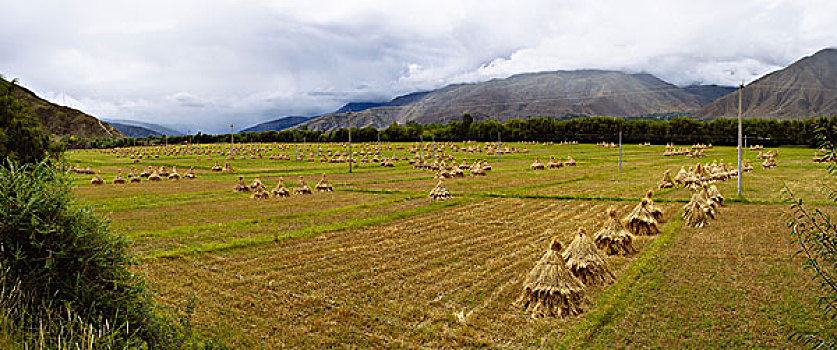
[740, 131]
[498, 146]
[421, 149]
[620, 150]
[232, 141]
[434, 147]
[349, 115]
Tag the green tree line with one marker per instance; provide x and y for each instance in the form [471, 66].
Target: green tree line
[680, 130]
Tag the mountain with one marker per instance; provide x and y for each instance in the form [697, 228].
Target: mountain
[278, 124]
[134, 131]
[807, 88]
[62, 120]
[359, 106]
[408, 98]
[138, 126]
[398, 101]
[559, 93]
[707, 94]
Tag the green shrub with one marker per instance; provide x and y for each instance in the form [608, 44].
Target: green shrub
[65, 258]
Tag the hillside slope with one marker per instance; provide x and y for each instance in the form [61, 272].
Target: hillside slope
[805, 89]
[156, 129]
[707, 94]
[134, 130]
[278, 124]
[61, 120]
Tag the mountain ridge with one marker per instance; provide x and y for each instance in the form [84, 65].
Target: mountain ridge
[157, 129]
[277, 124]
[556, 93]
[804, 89]
[134, 130]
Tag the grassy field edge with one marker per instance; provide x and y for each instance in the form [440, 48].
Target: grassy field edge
[302, 233]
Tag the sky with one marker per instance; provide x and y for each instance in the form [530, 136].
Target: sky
[201, 65]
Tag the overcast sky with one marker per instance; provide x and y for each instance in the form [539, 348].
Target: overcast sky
[202, 64]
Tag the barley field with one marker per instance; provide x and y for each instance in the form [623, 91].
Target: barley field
[377, 264]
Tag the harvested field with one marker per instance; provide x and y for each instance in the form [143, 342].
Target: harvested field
[405, 280]
[377, 264]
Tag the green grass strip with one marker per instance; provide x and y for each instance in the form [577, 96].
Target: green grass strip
[739, 200]
[551, 183]
[302, 233]
[385, 181]
[239, 224]
[614, 302]
[377, 191]
[569, 196]
[745, 200]
[120, 204]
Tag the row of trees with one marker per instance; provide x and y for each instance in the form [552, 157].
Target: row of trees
[680, 130]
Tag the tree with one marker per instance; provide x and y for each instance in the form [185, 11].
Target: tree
[414, 129]
[467, 119]
[486, 130]
[395, 132]
[21, 137]
[459, 130]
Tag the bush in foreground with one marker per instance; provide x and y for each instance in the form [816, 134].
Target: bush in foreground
[60, 259]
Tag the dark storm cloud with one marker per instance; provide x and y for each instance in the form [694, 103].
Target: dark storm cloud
[204, 64]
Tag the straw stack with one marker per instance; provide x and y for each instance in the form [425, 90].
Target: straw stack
[666, 182]
[440, 192]
[583, 258]
[323, 185]
[280, 190]
[613, 238]
[551, 289]
[302, 188]
[640, 221]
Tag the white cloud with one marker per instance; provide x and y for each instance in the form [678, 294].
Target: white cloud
[203, 64]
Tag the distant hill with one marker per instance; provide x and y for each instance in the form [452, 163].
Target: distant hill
[154, 129]
[61, 120]
[134, 131]
[359, 106]
[398, 101]
[805, 89]
[408, 98]
[278, 124]
[585, 92]
[707, 94]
